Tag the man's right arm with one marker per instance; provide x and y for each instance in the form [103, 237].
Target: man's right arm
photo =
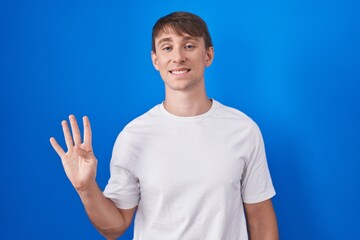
[80, 165]
[109, 220]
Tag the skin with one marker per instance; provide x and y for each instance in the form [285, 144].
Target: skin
[185, 93]
[181, 61]
[261, 221]
[80, 166]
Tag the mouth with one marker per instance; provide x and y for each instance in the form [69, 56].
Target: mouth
[179, 71]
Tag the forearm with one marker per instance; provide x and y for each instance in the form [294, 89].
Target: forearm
[102, 212]
[261, 221]
[80, 165]
[264, 231]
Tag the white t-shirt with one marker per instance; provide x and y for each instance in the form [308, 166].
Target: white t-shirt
[189, 176]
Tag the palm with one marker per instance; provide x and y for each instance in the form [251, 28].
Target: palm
[79, 161]
[80, 166]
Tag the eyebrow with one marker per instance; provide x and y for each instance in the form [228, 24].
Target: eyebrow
[164, 40]
[169, 39]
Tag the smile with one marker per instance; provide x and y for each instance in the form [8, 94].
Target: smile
[179, 72]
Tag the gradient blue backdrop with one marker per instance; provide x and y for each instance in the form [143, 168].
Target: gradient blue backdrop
[293, 66]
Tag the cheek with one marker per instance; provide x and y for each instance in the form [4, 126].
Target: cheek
[161, 63]
[158, 62]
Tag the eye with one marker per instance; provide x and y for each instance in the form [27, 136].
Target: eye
[166, 49]
[189, 46]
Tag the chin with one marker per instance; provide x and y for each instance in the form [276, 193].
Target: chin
[181, 86]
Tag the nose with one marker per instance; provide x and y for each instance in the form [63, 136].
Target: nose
[178, 56]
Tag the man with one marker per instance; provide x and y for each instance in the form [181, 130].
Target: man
[190, 167]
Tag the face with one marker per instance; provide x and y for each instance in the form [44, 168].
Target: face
[181, 60]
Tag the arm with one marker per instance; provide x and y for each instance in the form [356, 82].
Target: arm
[261, 221]
[109, 220]
[80, 166]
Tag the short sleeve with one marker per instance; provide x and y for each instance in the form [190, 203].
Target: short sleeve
[123, 186]
[256, 182]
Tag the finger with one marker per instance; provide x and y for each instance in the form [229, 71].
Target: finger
[58, 149]
[67, 135]
[87, 133]
[75, 129]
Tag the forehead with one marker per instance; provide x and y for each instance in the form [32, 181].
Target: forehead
[168, 35]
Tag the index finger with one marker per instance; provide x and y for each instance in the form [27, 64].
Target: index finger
[87, 133]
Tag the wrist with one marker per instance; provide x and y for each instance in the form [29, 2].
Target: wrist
[88, 189]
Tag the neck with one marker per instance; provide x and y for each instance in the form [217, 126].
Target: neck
[187, 104]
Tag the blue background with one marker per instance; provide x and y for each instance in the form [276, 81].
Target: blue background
[293, 66]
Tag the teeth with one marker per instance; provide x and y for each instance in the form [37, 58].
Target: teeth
[179, 72]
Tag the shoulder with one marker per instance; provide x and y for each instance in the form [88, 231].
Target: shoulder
[236, 121]
[228, 113]
[150, 117]
[142, 123]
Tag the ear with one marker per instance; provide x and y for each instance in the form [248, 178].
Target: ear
[209, 56]
[154, 60]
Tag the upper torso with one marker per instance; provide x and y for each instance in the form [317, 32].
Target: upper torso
[190, 173]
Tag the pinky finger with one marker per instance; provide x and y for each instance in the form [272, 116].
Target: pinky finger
[58, 149]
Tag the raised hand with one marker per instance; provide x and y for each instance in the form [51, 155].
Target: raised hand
[79, 161]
